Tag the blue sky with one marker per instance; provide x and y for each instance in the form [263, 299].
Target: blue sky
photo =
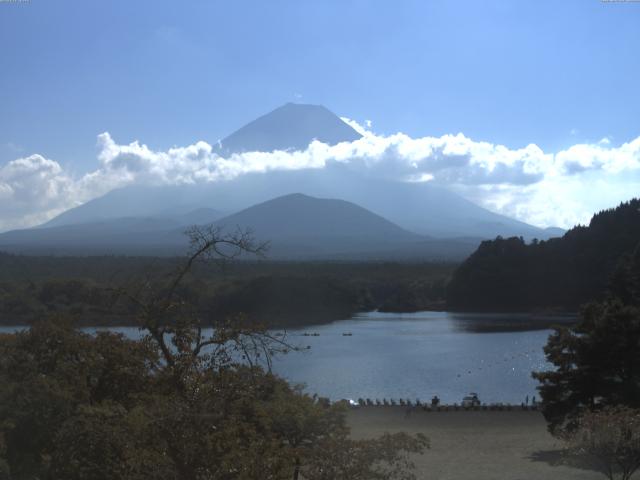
[549, 73]
[177, 72]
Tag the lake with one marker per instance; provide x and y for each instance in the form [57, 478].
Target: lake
[416, 355]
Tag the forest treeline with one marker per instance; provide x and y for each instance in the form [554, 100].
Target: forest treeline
[282, 294]
[557, 274]
[502, 275]
[590, 389]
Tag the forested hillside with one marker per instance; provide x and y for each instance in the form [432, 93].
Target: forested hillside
[561, 273]
[273, 293]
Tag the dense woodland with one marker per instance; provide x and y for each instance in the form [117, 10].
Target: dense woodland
[270, 293]
[557, 274]
[592, 395]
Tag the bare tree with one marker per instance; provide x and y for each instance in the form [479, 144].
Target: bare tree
[176, 325]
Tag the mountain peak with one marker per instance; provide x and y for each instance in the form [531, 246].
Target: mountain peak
[292, 126]
[300, 216]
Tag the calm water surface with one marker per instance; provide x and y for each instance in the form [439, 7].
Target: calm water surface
[415, 355]
[418, 355]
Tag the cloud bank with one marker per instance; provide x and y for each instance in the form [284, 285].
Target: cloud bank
[544, 189]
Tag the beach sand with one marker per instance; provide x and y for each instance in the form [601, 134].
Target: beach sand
[478, 445]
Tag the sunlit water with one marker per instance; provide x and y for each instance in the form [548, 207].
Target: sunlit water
[413, 356]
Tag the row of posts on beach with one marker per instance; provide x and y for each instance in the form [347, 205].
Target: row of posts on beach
[435, 405]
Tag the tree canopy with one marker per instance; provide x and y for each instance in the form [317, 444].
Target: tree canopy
[597, 361]
[177, 404]
[560, 273]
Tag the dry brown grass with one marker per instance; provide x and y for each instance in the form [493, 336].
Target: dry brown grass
[480, 445]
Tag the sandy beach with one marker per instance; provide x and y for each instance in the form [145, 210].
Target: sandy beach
[478, 445]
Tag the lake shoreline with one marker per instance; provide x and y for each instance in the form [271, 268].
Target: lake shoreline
[547, 317]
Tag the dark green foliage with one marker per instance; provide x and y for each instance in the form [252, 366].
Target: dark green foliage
[97, 443]
[176, 405]
[597, 363]
[561, 273]
[625, 281]
[273, 293]
[75, 406]
[282, 300]
[50, 371]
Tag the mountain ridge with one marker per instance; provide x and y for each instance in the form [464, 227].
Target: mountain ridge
[296, 211]
[423, 208]
[297, 226]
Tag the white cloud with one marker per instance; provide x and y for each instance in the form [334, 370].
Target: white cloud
[362, 130]
[527, 183]
[601, 156]
[32, 189]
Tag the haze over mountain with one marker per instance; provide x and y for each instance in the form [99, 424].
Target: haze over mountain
[162, 235]
[291, 126]
[177, 203]
[300, 216]
[297, 227]
[130, 215]
[421, 207]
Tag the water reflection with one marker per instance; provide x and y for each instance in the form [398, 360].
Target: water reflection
[508, 322]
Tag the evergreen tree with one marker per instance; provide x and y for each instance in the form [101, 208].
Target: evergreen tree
[560, 273]
[597, 364]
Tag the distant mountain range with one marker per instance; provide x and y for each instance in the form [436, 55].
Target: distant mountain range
[160, 235]
[296, 226]
[358, 216]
